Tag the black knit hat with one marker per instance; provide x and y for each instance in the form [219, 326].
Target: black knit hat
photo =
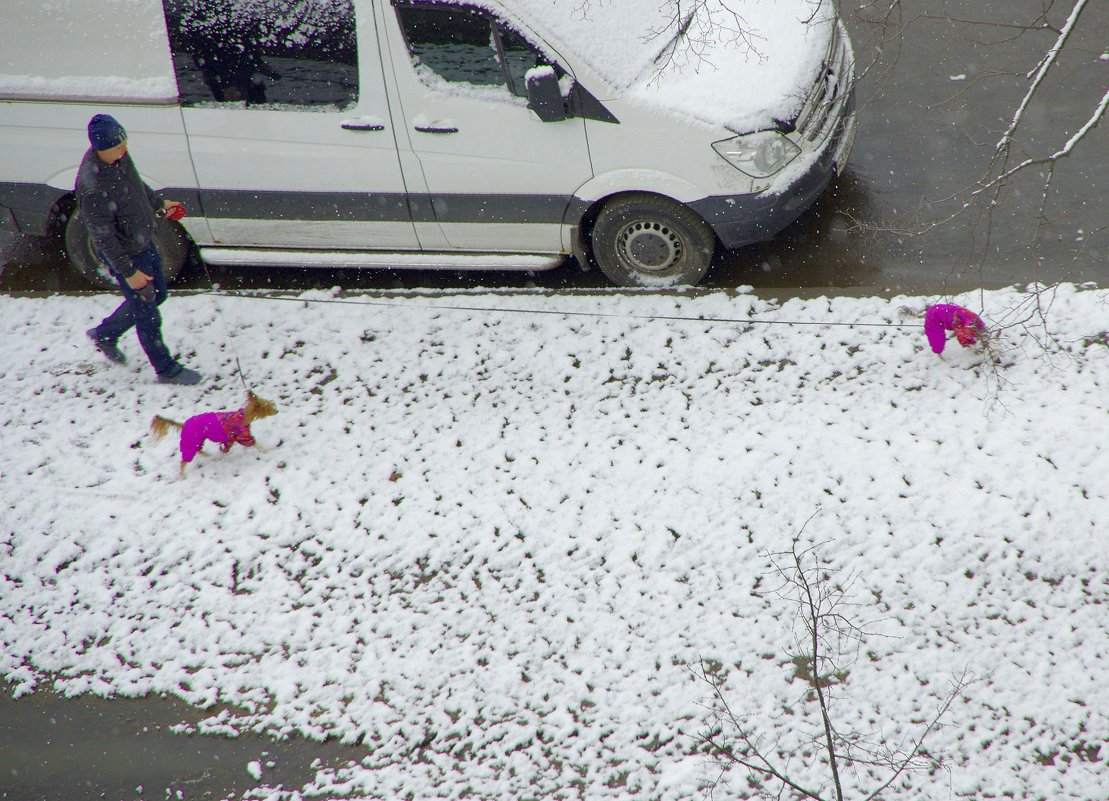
[105, 132]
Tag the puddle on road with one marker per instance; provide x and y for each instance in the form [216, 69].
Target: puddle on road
[86, 748]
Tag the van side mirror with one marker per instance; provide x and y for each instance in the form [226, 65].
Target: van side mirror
[544, 94]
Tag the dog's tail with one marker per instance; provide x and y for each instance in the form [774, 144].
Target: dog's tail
[160, 426]
[907, 312]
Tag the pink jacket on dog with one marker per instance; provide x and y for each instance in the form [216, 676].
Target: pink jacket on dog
[226, 428]
[943, 317]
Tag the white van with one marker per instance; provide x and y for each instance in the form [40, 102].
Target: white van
[453, 134]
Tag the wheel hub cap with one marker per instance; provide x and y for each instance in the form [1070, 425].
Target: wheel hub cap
[650, 246]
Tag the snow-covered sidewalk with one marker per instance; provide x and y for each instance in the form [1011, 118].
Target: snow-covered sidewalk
[492, 547]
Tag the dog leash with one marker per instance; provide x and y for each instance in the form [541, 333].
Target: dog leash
[215, 290]
[565, 312]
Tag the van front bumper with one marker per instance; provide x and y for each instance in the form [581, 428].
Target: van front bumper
[740, 220]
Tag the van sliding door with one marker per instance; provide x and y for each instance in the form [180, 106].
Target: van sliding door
[497, 177]
[288, 123]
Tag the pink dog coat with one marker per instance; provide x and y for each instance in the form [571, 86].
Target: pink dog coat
[943, 317]
[226, 428]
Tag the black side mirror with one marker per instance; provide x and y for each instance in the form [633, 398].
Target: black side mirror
[544, 94]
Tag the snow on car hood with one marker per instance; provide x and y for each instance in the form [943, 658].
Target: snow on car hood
[737, 63]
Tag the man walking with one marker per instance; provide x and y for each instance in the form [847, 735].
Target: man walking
[120, 211]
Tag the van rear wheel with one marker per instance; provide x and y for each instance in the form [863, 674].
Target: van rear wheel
[170, 239]
[646, 240]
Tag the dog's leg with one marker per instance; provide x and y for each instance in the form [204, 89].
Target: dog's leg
[184, 464]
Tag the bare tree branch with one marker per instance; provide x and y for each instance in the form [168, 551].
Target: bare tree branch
[809, 583]
[1041, 71]
[959, 686]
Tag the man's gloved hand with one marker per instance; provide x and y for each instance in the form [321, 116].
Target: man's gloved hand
[172, 210]
[147, 293]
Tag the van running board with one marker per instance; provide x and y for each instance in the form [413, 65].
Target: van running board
[533, 262]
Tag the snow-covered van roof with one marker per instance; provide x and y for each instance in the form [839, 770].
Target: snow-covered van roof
[71, 49]
[737, 63]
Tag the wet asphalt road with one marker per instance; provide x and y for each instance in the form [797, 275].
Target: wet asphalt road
[931, 110]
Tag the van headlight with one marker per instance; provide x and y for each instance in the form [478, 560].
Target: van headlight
[759, 154]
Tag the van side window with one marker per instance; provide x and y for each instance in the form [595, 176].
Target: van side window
[463, 44]
[519, 57]
[263, 53]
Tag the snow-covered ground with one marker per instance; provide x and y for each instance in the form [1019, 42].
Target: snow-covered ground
[493, 547]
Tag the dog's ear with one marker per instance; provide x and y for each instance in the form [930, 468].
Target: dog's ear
[258, 407]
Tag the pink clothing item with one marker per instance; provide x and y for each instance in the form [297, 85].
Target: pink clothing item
[226, 428]
[943, 317]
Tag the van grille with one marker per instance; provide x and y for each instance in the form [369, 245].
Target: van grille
[829, 88]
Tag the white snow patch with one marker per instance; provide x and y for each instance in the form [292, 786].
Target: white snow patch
[488, 547]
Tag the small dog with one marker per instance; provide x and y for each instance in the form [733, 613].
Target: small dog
[226, 428]
[940, 318]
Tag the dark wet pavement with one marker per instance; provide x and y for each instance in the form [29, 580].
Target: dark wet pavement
[72, 749]
[930, 112]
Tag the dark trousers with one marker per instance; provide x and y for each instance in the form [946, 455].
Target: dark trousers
[143, 316]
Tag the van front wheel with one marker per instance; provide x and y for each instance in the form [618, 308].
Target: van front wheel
[645, 240]
[169, 238]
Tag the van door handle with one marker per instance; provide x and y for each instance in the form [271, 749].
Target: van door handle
[436, 129]
[362, 126]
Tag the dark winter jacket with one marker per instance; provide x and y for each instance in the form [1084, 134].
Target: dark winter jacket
[118, 209]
